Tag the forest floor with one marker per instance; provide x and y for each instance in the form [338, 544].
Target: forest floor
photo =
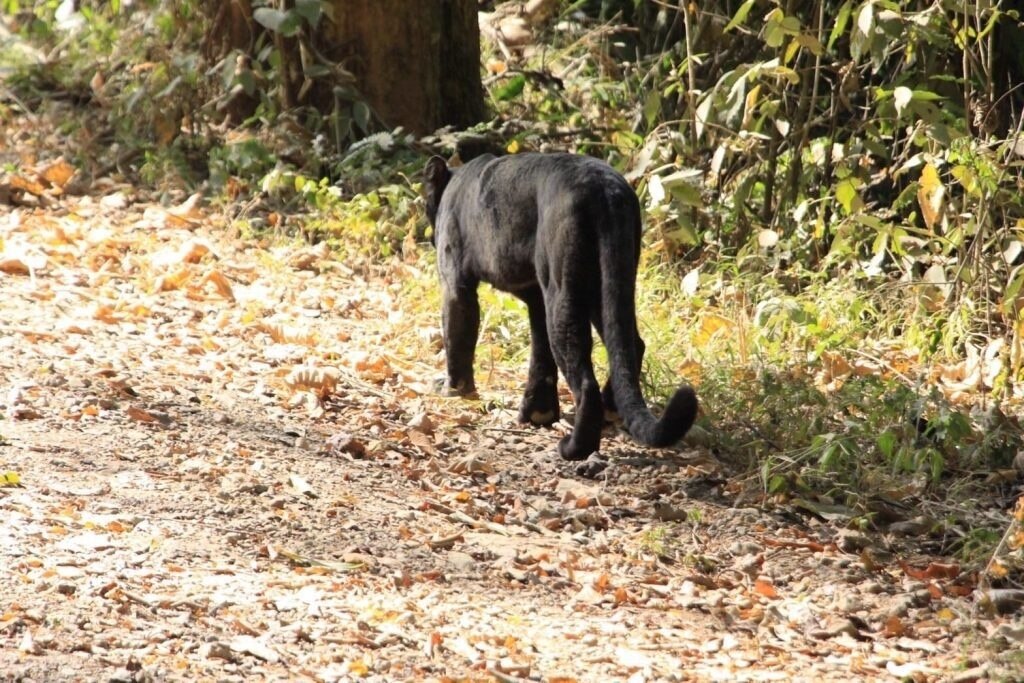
[222, 461]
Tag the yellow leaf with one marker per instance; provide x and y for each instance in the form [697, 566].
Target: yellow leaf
[711, 326]
[930, 195]
[750, 105]
[10, 478]
[998, 570]
[173, 280]
[106, 314]
[358, 668]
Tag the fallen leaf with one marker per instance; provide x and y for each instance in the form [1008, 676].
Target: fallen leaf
[302, 486]
[221, 283]
[254, 647]
[58, 173]
[321, 380]
[765, 589]
[150, 416]
[935, 570]
[894, 626]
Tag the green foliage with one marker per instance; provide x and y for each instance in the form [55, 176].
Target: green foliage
[160, 89]
[834, 218]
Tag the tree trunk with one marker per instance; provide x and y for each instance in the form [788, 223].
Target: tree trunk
[417, 63]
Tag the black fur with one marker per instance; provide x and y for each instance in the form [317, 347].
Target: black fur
[562, 233]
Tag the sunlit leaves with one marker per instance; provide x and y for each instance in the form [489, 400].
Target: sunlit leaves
[289, 22]
[848, 196]
[901, 98]
[930, 195]
[511, 88]
[778, 26]
[740, 17]
[866, 18]
[842, 19]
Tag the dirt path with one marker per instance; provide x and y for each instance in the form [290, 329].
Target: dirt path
[189, 510]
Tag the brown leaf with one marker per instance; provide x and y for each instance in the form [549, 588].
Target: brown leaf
[783, 543]
[765, 589]
[173, 281]
[193, 251]
[321, 380]
[14, 266]
[474, 463]
[58, 173]
[287, 334]
[106, 314]
[221, 282]
[33, 187]
[346, 443]
[894, 627]
[935, 570]
[149, 416]
[422, 441]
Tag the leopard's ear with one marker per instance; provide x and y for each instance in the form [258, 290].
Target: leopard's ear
[436, 171]
[436, 176]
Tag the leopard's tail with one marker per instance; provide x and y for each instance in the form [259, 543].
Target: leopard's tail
[625, 348]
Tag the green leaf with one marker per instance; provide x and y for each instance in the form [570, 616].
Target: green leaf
[809, 42]
[857, 44]
[791, 25]
[361, 114]
[740, 16]
[310, 10]
[286, 23]
[652, 107]
[703, 113]
[269, 17]
[774, 33]
[512, 88]
[170, 88]
[846, 194]
[866, 19]
[967, 179]
[841, 21]
[887, 443]
[687, 195]
[777, 484]
[1013, 289]
[316, 70]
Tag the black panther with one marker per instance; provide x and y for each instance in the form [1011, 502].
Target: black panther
[562, 233]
